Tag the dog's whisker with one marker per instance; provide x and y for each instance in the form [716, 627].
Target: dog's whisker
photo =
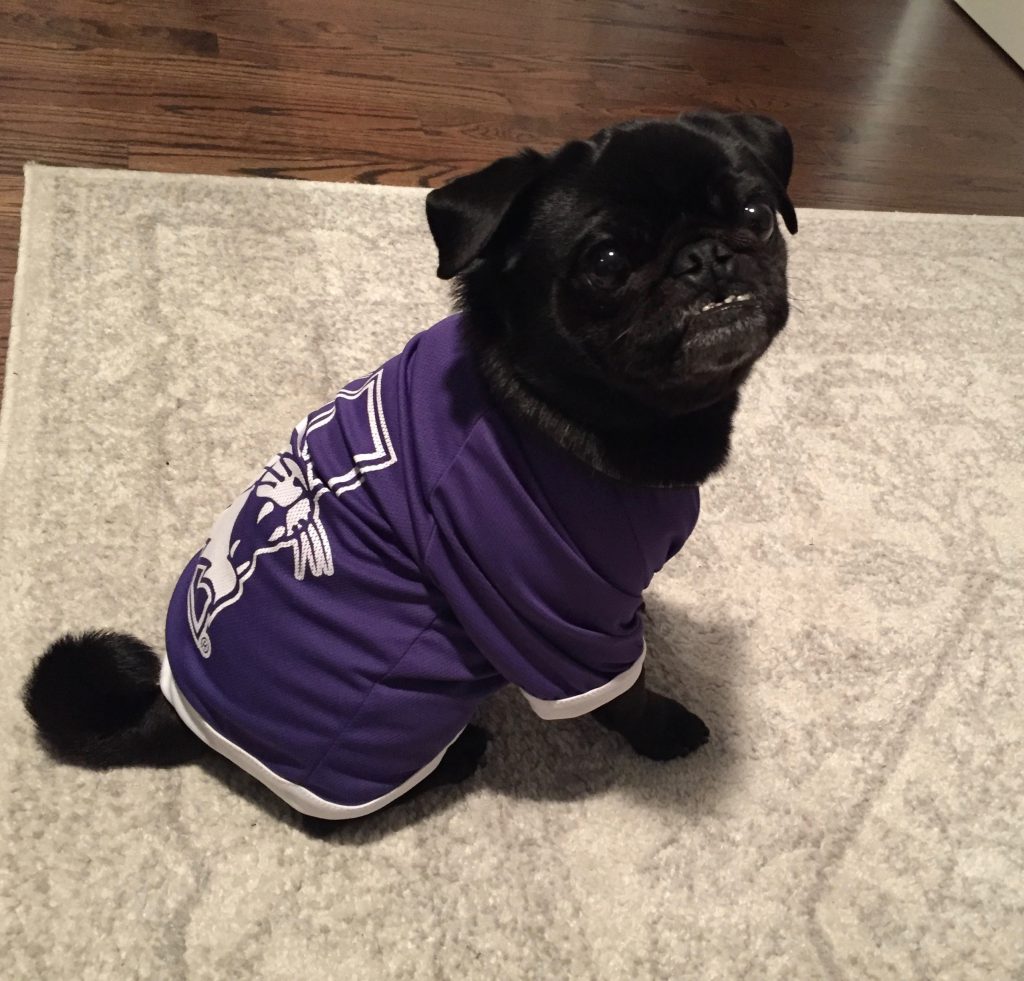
[629, 327]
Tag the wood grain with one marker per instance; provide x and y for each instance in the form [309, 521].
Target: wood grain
[892, 106]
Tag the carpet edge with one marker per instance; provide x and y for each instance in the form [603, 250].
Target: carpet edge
[34, 227]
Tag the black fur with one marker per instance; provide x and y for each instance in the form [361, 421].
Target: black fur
[464, 216]
[620, 377]
[96, 702]
[655, 726]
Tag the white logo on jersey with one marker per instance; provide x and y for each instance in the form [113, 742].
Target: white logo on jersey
[289, 516]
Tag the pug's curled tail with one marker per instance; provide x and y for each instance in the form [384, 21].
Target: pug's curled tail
[96, 701]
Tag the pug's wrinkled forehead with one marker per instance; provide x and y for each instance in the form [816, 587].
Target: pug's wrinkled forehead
[701, 169]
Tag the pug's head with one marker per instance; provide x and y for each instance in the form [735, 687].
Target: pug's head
[626, 282]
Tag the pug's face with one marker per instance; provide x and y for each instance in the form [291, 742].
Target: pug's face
[647, 262]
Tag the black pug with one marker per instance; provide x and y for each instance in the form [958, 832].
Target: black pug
[487, 507]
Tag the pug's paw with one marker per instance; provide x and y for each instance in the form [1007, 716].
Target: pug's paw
[668, 731]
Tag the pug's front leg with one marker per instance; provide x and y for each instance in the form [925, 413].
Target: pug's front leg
[655, 726]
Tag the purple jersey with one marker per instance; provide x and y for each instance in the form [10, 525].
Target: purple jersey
[410, 552]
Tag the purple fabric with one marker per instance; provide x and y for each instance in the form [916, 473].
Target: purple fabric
[407, 555]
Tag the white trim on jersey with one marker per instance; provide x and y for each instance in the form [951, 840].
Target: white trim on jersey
[577, 705]
[304, 801]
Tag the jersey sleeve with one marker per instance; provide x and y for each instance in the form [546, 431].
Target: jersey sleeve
[524, 592]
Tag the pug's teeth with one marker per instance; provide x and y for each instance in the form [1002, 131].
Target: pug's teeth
[732, 298]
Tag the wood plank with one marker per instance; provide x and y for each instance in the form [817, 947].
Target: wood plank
[30, 28]
[312, 164]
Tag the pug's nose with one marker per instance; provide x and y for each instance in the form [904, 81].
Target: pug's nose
[704, 263]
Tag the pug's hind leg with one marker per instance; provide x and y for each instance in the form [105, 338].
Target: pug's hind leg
[460, 761]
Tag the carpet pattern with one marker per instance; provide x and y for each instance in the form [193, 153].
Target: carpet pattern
[846, 618]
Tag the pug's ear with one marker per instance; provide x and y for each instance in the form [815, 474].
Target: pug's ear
[464, 215]
[768, 140]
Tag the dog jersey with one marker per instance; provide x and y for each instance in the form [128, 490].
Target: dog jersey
[412, 550]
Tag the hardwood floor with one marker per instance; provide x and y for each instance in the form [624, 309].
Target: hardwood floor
[893, 104]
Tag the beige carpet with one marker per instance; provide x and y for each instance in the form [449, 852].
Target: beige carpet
[847, 618]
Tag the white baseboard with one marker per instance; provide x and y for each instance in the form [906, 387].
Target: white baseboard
[1003, 21]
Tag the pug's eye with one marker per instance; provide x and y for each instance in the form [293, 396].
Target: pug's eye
[607, 266]
[760, 219]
